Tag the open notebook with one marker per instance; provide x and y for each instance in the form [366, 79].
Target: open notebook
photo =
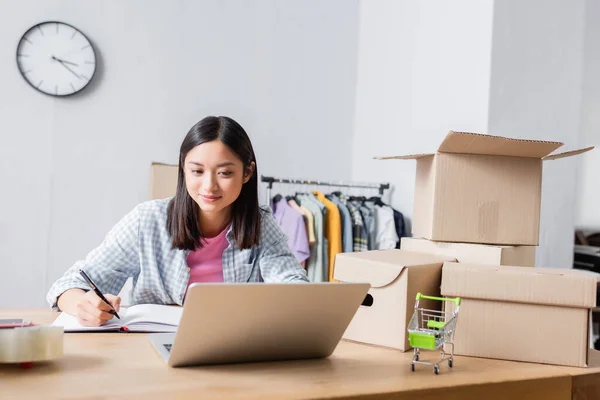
[138, 318]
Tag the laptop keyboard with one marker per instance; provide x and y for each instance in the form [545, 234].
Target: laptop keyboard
[168, 347]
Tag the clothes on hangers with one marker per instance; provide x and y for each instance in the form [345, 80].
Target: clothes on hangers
[292, 224]
[334, 223]
[333, 230]
[325, 254]
[315, 268]
[368, 222]
[359, 234]
[400, 226]
[308, 219]
[347, 239]
[385, 228]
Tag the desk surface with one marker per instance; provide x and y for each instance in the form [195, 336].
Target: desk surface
[125, 366]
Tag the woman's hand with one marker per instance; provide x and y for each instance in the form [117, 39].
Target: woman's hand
[89, 309]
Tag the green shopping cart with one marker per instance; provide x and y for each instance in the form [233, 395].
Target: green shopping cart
[431, 330]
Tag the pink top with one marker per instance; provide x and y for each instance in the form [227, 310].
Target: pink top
[206, 263]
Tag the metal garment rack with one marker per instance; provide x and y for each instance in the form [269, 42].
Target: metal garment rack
[271, 180]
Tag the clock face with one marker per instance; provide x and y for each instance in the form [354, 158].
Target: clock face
[56, 58]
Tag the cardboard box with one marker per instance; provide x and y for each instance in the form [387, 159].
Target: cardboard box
[471, 253]
[481, 189]
[163, 181]
[539, 315]
[395, 277]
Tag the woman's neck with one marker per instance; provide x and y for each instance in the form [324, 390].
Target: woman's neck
[211, 224]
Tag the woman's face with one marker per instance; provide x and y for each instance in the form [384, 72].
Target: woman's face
[214, 176]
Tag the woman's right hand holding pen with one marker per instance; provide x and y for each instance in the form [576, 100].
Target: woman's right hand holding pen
[89, 309]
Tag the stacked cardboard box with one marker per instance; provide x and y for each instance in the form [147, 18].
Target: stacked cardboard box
[396, 276]
[163, 180]
[477, 200]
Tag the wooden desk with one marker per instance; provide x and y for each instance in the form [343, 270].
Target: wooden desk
[125, 366]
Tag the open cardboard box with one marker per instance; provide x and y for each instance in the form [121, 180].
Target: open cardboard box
[481, 189]
[539, 315]
[396, 276]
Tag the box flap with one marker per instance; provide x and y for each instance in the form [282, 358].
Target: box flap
[407, 157]
[548, 286]
[567, 154]
[477, 143]
[380, 267]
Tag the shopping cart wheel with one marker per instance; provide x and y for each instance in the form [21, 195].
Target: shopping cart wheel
[450, 363]
[417, 357]
[412, 367]
[436, 370]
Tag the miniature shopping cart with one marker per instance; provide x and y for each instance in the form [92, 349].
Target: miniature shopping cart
[431, 330]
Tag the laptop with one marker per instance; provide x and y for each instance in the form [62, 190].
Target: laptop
[226, 323]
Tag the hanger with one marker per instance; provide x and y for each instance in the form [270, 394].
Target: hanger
[362, 199]
[277, 198]
[377, 201]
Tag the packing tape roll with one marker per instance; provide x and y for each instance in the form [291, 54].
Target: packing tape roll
[30, 344]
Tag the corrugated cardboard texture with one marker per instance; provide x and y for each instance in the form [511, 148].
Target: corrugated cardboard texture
[380, 267]
[395, 277]
[163, 181]
[476, 143]
[480, 199]
[549, 286]
[424, 197]
[481, 189]
[471, 253]
[522, 332]
[567, 154]
[407, 157]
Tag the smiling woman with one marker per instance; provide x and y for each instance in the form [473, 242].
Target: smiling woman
[211, 231]
[216, 176]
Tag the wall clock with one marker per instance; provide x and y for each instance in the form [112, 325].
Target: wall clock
[56, 58]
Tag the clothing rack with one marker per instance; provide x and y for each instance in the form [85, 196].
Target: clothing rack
[270, 180]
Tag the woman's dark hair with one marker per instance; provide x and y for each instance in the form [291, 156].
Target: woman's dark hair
[182, 217]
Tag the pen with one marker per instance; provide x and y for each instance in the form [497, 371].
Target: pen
[97, 291]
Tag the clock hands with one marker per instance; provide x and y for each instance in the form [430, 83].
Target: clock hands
[65, 61]
[64, 64]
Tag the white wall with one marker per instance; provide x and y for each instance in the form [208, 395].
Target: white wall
[505, 67]
[535, 93]
[309, 80]
[70, 168]
[588, 192]
[423, 69]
